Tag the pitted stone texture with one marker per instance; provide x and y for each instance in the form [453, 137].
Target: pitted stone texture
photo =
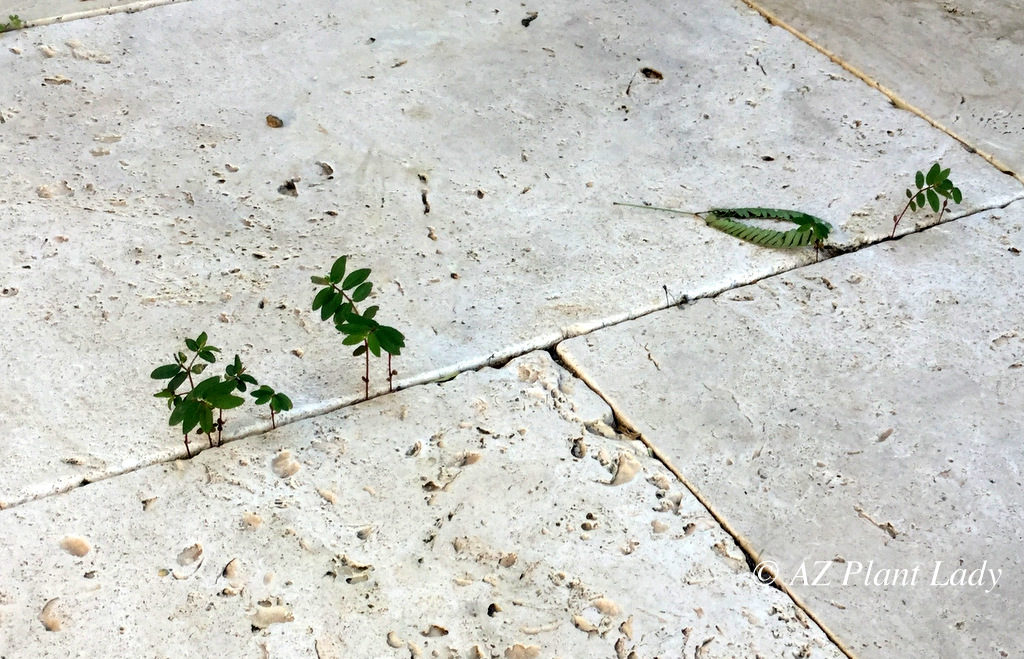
[146, 198]
[458, 520]
[854, 419]
[959, 63]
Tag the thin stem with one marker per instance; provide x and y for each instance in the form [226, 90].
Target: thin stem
[656, 208]
[897, 218]
[390, 373]
[366, 378]
[188, 451]
[273, 423]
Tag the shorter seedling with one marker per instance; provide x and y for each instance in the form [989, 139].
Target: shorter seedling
[930, 187]
[13, 23]
[194, 407]
[337, 301]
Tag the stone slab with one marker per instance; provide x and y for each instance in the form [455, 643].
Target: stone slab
[145, 195]
[34, 13]
[857, 420]
[443, 521]
[957, 63]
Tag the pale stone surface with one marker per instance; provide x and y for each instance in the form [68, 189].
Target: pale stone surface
[462, 520]
[865, 410]
[43, 12]
[141, 197]
[959, 63]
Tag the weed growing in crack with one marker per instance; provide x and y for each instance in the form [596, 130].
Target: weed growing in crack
[193, 407]
[337, 300]
[13, 23]
[930, 187]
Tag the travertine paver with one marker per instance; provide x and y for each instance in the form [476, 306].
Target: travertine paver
[858, 422]
[146, 198]
[493, 516]
[958, 63]
[42, 12]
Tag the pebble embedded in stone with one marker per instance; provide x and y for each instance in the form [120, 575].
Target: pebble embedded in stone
[284, 465]
[75, 545]
[48, 616]
[627, 467]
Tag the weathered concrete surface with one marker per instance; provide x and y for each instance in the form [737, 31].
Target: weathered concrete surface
[958, 63]
[141, 198]
[43, 12]
[858, 417]
[457, 517]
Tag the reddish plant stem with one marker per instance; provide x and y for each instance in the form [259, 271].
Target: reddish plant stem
[273, 423]
[366, 377]
[390, 373]
[188, 451]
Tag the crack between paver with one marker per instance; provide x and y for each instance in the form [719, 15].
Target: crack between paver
[626, 426]
[496, 359]
[129, 8]
[894, 98]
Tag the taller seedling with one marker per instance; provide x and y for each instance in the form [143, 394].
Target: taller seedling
[337, 301]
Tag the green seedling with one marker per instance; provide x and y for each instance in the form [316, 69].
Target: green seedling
[13, 23]
[193, 406]
[338, 299]
[930, 187]
[810, 230]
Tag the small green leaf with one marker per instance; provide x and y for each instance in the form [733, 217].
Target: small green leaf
[338, 270]
[358, 351]
[942, 176]
[176, 381]
[182, 358]
[919, 200]
[391, 340]
[201, 340]
[322, 296]
[198, 368]
[207, 355]
[910, 195]
[164, 393]
[342, 314]
[190, 418]
[206, 418]
[165, 372]
[245, 377]
[263, 395]
[331, 305]
[355, 278]
[191, 345]
[370, 311]
[955, 194]
[224, 401]
[280, 403]
[373, 344]
[205, 386]
[320, 281]
[352, 339]
[913, 206]
[919, 180]
[932, 176]
[178, 413]
[933, 200]
[362, 291]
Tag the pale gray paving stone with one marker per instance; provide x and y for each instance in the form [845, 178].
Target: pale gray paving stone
[866, 409]
[475, 517]
[127, 229]
[957, 63]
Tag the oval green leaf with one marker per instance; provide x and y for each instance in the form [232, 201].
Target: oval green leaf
[355, 278]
